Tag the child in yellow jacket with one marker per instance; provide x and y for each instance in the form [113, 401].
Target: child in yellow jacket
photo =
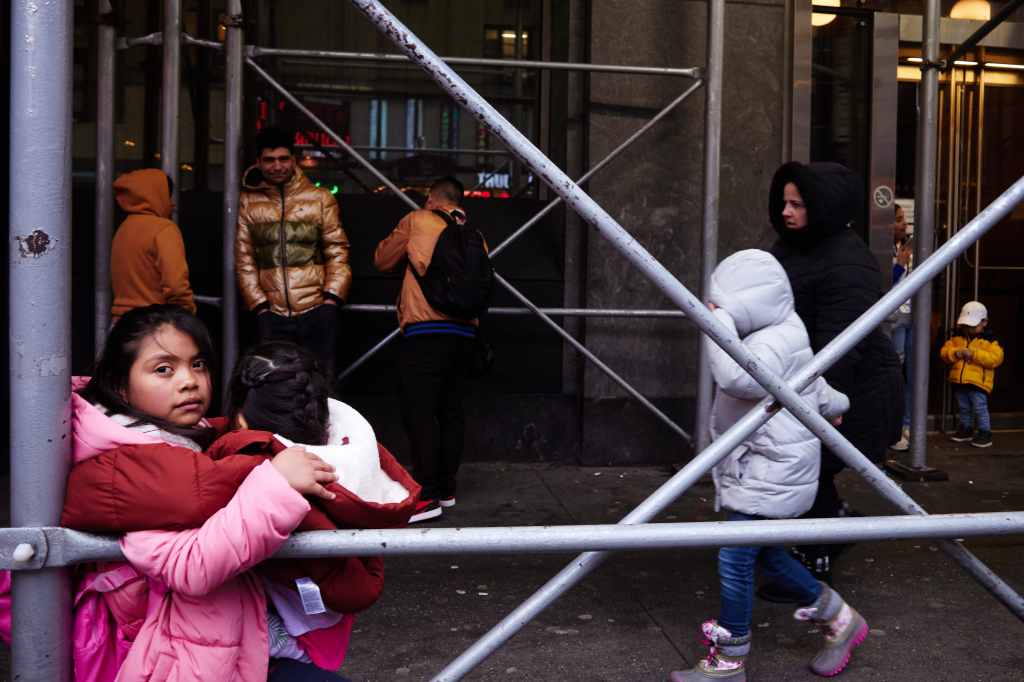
[972, 355]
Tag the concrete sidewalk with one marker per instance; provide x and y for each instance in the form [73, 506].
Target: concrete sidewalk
[637, 617]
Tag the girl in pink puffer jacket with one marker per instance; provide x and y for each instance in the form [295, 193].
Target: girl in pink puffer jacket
[204, 616]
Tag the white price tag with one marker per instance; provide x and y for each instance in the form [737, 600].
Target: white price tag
[309, 592]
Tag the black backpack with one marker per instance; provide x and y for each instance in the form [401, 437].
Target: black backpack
[459, 280]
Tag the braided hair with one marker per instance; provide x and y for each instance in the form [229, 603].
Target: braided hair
[278, 387]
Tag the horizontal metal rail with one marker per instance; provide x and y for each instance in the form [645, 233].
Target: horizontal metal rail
[189, 39]
[54, 547]
[688, 72]
[553, 312]
[156, 38]
[428, 150]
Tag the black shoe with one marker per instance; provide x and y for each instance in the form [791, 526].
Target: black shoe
[962, 435]
[819, 559]
[982, 439]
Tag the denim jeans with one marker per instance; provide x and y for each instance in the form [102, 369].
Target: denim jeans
[973, 404]
[736, 574]
[903, 342]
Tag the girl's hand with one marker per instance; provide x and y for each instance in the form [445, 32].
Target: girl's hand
[305, 472]
[837, 421]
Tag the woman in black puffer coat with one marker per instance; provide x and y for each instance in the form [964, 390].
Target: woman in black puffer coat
[835, 278]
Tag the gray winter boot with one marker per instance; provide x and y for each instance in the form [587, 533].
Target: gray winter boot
[843, 627]
[726, 659]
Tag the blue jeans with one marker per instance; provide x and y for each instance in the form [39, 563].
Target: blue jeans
[973, 403]
[736, 573]
[903, 342]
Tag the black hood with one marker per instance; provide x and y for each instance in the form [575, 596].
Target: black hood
[832, 193]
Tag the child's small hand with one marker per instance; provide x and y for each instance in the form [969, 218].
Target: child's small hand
[837, 421]
[966, 354]
[305, 472]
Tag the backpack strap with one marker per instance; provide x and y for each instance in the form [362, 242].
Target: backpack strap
[448, 222]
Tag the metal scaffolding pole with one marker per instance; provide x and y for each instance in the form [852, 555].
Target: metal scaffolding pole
[554, 312]
[924, 234]
[169, 95]
[256, 51]
[65, 547]
[709, 233]
[409, 43]
[233, 83]
[155, 38]
[39, 266]
[106, 64]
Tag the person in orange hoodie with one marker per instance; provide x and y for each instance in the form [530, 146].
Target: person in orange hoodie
[147, 257]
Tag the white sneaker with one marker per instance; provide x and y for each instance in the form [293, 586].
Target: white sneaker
[903, 444]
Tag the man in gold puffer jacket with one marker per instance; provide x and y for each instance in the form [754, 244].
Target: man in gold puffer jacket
[291, 253]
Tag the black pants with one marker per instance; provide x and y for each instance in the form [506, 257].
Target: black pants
[432, 384]
[316, 331]
[827, 501]
[287, 670]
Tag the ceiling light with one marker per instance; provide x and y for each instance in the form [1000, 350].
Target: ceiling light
[977, 10]
[1001, 65]
[819, 19]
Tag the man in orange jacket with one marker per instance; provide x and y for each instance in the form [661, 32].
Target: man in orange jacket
[433, 353]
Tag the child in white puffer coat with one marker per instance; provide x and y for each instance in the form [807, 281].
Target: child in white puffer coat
[773, 474]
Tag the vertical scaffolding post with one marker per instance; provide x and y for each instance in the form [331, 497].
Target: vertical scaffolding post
[709, 233]
[169, 95]
[924, 237]
[39, 268]
[233, 79]
[106, 74]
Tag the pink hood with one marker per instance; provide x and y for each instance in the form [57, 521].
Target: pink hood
[93, 432]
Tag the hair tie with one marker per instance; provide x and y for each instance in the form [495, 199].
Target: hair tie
[256, 371]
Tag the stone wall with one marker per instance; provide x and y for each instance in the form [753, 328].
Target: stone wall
[655, 191]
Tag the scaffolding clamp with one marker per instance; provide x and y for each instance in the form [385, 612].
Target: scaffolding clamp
[23, 549]
[232, 20]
